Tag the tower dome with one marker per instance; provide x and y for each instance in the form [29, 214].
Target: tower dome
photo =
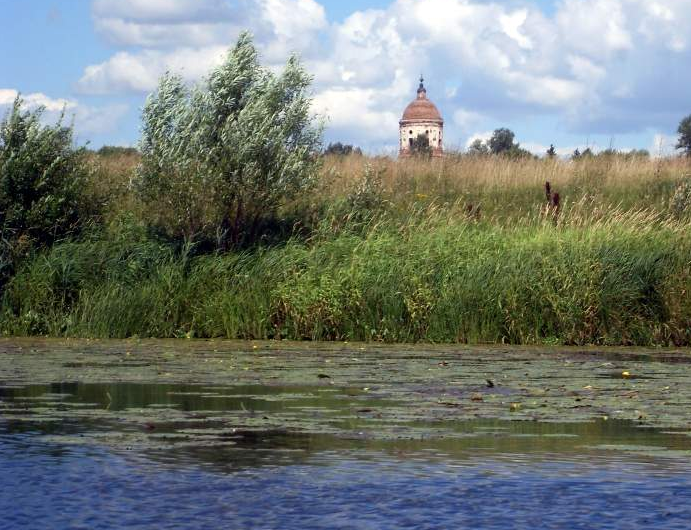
[421, 118]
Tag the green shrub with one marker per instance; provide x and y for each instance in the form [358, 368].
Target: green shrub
[220, 158]
[681, 200]
[42, 178]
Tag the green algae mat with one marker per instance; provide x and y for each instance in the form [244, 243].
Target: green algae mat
[164, 394]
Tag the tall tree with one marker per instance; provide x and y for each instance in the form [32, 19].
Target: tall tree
[220, 158]
[502, 141]
[684, 130]
[478, 147]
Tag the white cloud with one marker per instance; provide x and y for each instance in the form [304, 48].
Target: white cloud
[292, 18]
[358, 113]
[87, 119]
[541, 150]
[465, 119]
[90, 120]
[584, 69]
[139, 72]
[35, 100]
[157, 11]
[191, 36]
[7, 96]
[280, 24]
[511, 25]
[161, 35]
[607, 66]
[595, 27]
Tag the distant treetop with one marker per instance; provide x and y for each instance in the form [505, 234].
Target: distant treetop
[339, 149]
[113, 150]
[684, 130]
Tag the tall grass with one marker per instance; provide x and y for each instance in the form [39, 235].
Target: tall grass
[507, 190]
[463, 249]
[620, 278]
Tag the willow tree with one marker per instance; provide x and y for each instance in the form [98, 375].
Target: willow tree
[221, 156]
[42, 181]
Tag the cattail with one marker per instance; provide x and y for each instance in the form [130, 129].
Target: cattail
[472, 211]
[555, 201]
[548, 192]
[555, 206]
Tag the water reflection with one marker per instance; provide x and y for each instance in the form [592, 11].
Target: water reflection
[125, 455]
[248, 426]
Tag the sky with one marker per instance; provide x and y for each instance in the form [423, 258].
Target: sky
[573, 73]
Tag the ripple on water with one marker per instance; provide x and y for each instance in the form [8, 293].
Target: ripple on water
[89, 487]
[395, 442]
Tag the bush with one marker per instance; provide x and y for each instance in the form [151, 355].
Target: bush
[42, 177]
[681, 200]
[220, 158]
[367, 198]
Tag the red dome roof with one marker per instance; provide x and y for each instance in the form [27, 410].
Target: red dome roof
[421, 109]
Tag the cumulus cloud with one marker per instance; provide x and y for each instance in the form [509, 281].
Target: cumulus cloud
[465, 119]
[87, 119]
[541, 149]
[163, 11]
[191, 36]
[38, 99]
[159, 24]
[139, 72]
[482, 136]
[165, 35]
[357, 112]
[596, 66]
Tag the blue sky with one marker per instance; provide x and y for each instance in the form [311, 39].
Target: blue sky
[572, 73]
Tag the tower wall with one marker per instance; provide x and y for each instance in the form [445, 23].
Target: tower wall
[409, 131]
[421, 117]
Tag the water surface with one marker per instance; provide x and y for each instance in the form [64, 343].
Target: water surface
[141, 435]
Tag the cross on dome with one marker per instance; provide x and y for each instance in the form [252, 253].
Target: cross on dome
[422, 91]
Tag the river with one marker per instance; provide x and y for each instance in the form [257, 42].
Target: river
[214, 434]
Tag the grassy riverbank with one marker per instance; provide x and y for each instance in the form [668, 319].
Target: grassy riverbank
[463, 250]
[231, 221]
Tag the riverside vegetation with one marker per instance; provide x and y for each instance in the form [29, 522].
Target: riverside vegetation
[228, 223]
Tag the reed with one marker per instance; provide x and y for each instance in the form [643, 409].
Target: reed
[619, 279]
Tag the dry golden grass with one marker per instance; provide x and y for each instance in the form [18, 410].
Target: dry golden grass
[514, 188]
[472, 173]
[110, 182]
[494, 189]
